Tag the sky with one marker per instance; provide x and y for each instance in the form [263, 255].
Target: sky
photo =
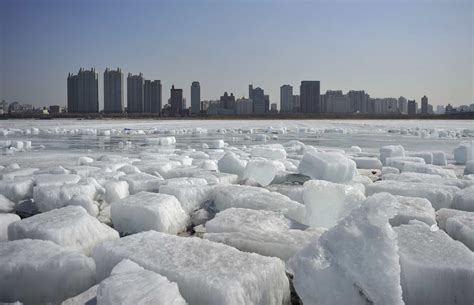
[389, 48]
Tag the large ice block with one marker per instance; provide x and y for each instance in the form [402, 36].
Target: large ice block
[206, 272]
[148, 211]
[262, 171]
[274, 152]
[326, 203]
[40, 272]
[354, 262]
[70, 227]
[461, 228]
[390, 151]
[435, 269]
[131, 284]
[329, 166]
[190, 196]
[413, 208]
[249, 197]
[464, 199]
[440, 196]
[5, 221]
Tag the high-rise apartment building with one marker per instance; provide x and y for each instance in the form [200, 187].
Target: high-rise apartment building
[424, 105]
[113, 91]
[83, 91]
[310, 97]
[176, 101]
[286, 98]
[135, 93]
[195, 97]
[257, 95]
[152, 96]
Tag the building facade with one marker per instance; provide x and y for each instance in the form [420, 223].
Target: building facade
[310, 97]
[135, 93]
[113, 91]
[260, 103]
[402, 105]
[412, 107]
[227, 101]
[152, 96]
[358, 101]
[286, 98]
[176, 101]
[195, 97]
[243, 106]
[83, 91]
[424, 105]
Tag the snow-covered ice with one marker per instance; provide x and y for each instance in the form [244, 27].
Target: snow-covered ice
[435, 269]
[206, 272]
[70, 227]
[329, 166]
[5, 221]
[39, 272]
[131, 284]
[149, 211]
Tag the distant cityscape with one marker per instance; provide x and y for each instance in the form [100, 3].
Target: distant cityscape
[146, 97]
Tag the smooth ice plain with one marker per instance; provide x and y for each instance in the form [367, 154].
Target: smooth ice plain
[221, 212]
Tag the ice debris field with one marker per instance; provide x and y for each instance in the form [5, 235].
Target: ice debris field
[236, 212]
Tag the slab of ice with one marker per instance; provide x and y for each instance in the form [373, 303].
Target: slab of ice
[190, 196]
[40, 272]
[354, 262]
[17, 189]
[56, 179]
[281, 244]
[439, 158]
[442, 216]
[230, 163]
[274, 152]
[413, 208]
[367, 163]
[427, 178]
[6, 205]
[13, 173]
[426, 155]
[88, 297]
[70, 227]
[149, 211]
[464, 199]
[52, 197]
[399, 162]
[440, 196]
[428, 169]
[241, 220]
[463, 153]
[469, 169]
[142, 182]
[131, 284]
[390, 151]
[389, 170]
[206, 272]
[83, 170]
[332, 167]
[434, 268]
[461, 228]
[165, 141]
[116, 190]
[326, 203]
[5, 221]
[217, 144]
[249, 197]
[262, 171]
[292, 191]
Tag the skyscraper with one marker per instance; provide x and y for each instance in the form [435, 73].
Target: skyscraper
[424, 105]
[412, 106]
[152, 96]
[227, 101]
[286, 98]
[310, 99]
[195, 98]
[358, 101]
[257, 95]
[176, 101]
[113, 91]
[135, 93]
[402, 105]
[83, 91]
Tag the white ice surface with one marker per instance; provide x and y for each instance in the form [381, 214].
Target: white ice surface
[206, 272]
[70, 227]
[329, 166]
[38, 272]
[149, 211]
[5, 221]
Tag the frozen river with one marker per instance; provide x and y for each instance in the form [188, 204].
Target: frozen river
[69, 138]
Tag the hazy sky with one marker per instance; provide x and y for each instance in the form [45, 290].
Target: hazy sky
[388, 48]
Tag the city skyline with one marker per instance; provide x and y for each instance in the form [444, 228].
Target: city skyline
[389, 52]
